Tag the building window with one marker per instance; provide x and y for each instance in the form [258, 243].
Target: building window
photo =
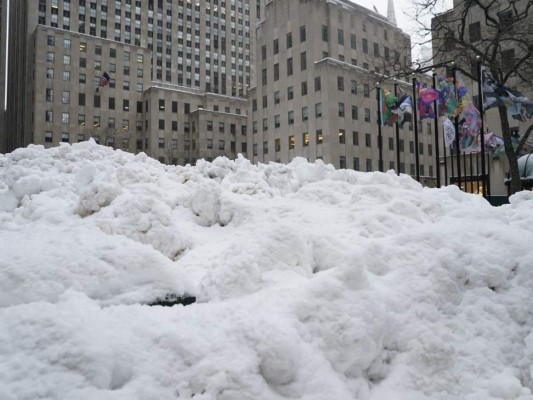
[289, 40]
[276, 46]
[48, 137]
[340, 83]
[305, 139]
[290, 117]
[291, 142]
[366, 90]
[340, 37]
[367, 115]
[304, 88]
[391, 144]
[341, 110]
[277, 145]
[305, 114]
[65, 117]
[475, 32]
[51, 40]
[49, 73]
[303, 61]
[50, 56]
[265, 147]
[325, 33]
[365, 46]
[318, 110]
[368, 140]
[161, 143]
[66, 97]
[376, 50]
[81, 99]
[290, 93]
[265, 124]
[342, 162]
[49, 116]
[369, 165]
[263, 52]
[353, 87]
[289, 67]
[353, 44]
[81, 119]
[319, 136]
[276, 72]
[64, 137]
[50, 95]
[355, 113]
[66, 60]
[302, 34]
[318, 84]
[277, 122]
[356, 163]
[342, 136]
[355, 138]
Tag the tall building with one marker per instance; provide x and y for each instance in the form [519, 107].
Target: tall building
[179, 73]
[204, 78]
[466, 31]
[318, 64]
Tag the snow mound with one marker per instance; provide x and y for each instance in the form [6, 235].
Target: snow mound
[311, 283]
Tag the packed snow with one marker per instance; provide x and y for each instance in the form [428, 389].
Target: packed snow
[310, 283]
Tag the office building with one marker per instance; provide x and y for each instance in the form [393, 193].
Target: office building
[459, 35]
[177, 69]
[205, 78]
[318, 65]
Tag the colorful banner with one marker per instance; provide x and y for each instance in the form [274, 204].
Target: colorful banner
[448, 130]
[495, 94]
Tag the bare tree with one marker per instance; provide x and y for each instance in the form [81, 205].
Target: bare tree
[110, 136]
[499, 34]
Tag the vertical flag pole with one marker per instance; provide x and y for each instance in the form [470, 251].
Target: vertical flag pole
[415, 123]
[436, 123]
[397, 133]
[380, 138]
[457, 138]
[482, 133]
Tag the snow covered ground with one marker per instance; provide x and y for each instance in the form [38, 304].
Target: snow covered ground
[311, 283]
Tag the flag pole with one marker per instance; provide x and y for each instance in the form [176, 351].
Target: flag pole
[457, 137]
[397, 131]
[436, 123]
[482, 132]
[415, 123]
[380, 138]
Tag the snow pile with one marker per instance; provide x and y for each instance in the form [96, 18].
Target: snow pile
[311, 283]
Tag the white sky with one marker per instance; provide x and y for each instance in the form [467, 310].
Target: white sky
[312, 283]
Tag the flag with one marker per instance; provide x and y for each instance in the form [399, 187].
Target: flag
[104, 80]
[495, 94]
[388, 101]
[426, 97]
[449, 131]
[447, 101]
[404, 109]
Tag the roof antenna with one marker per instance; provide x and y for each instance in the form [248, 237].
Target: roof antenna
[391, 15]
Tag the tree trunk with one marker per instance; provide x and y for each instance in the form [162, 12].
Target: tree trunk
[516, 184]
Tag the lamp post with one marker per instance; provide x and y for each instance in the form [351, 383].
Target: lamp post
[436, 123]
[482, 131]
[380, 141]
[415, 123]
[397, 131]
[457, 137]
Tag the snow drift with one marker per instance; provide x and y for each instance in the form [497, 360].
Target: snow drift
[311, 283]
